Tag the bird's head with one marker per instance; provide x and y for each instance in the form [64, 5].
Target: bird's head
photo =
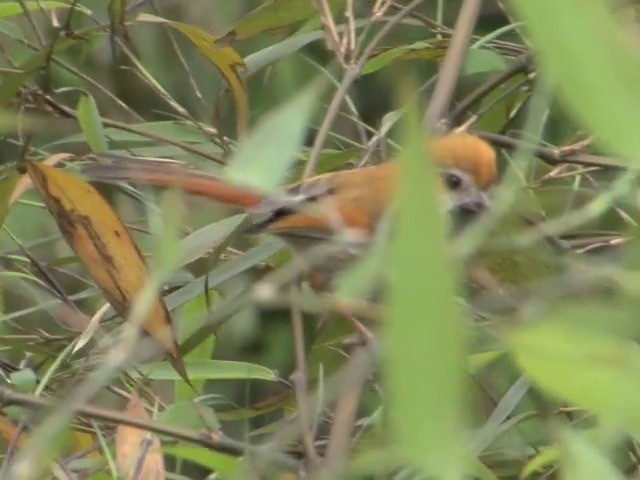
[468, 170]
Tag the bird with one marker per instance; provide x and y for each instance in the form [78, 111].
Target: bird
[351, 202]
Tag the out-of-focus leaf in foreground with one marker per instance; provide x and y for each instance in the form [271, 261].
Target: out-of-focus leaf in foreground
[9, 9]
[588, 55]
[577, 361]
[264, 158]
[583, 461]
[424, 338]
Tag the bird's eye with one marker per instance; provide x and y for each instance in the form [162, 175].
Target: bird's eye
[452, 181]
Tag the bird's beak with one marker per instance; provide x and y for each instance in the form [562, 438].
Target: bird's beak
[475, 204]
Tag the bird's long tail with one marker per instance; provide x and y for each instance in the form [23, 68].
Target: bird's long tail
[164, 174]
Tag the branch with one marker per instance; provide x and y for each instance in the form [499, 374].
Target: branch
[212, 440]
[554, 156]
[352, 72]
[451, 66]
[522, 64]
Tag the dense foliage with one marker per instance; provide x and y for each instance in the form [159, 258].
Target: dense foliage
[265, 377]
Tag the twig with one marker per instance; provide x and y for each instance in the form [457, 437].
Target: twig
[70, 113]
[554, 156]
[451, 66]
[357, 367]
[213, 440]
[520, 65]
[349, 38]
[344, 419]
[351, 74]
[380, 8]
[332, 38]
[300, 378]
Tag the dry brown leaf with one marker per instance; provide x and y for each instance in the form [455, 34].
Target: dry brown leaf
[9, 431]
[102, 242]
[138, 453]
[81, 441]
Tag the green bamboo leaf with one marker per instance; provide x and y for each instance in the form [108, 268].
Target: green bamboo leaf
[573, 355]
[189, 414]
[206, 370]
[12, 82]
[587, 55]
[481, 60]
[171, 129]
[194, 311]
[546, 458]
[581, 460]
[276, 51]
[91, 124]
[226, 466]
[273, 15]
[265, 157]
[425, 330]
[424, 50]
[198, 243]
[10, 9]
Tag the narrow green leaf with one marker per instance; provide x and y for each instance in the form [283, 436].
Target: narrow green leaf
[175, 130]
[225, 465]
[189, 414]
[424, 335]
[276, 51]
[423, 50]
[583, 461]
[205, 239]
[10, 29]
[265, 157]
[587, 54]
[207, 370]
[10, 9]
[480, 60]
[194, 311]
[546, 458]
[11, 83]
[91, 124]
[223, 272]
[571, 358]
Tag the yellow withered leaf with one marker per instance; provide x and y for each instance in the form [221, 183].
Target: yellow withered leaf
[228, 62]
[81, 442]
[9, 432]
[100, 239]
[138, 452]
